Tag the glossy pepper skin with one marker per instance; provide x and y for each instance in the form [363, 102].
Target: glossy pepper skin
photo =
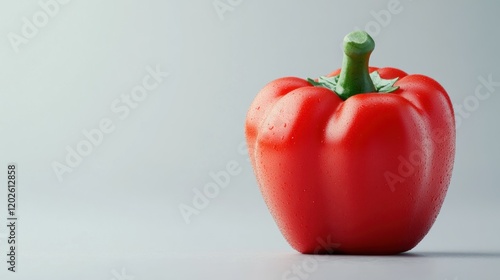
[362, 173]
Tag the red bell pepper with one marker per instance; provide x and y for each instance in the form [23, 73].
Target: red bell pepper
[361, 157]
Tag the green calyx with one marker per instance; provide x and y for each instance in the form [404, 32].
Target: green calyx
[354, 77]
[381, 85]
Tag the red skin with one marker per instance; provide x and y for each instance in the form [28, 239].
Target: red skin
[322, 163]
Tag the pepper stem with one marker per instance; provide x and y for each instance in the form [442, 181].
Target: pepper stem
[354, 77]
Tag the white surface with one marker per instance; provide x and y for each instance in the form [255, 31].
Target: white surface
[266, 265]
[119, 208]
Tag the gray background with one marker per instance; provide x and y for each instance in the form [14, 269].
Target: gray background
[116, 215]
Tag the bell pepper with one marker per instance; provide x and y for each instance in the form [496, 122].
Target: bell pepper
[361, 157]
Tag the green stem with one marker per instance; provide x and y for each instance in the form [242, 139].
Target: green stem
[354, 77]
